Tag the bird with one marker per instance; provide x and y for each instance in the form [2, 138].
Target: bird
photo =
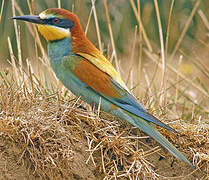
[88, 74]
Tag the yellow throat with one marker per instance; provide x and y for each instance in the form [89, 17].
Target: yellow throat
[52, 33]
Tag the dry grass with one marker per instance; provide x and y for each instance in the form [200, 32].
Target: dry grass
[47, 133]
[56, 137]
[50, 135]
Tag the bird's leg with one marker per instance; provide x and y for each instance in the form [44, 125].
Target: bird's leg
[94, 106]
[91, 107]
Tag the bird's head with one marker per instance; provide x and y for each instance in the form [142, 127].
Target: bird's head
[54, 24]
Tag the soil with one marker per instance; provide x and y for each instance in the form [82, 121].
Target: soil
[12, 167]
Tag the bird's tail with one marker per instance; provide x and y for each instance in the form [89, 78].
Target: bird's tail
[149, 129]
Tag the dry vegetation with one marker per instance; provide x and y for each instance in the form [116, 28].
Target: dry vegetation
[47, 133]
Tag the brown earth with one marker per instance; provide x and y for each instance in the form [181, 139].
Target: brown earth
[47, 137]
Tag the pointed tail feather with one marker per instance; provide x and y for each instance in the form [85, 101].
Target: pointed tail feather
[154, 133]
[149, 129]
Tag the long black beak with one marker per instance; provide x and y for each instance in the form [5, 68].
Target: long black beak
[30, 18]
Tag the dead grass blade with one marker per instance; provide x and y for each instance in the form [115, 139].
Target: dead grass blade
[88, 22]
[168, 28]
[2, 8]
[140, 52]
[163, 68]
[204, 18]
[185, 28]
[59, 3]
[111, 36]
[17, 33]
[97, 25]
[141, 25]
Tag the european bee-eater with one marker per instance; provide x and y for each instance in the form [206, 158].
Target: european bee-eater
[83, 69]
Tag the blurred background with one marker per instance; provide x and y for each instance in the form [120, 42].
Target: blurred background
[186, 42]
[123, 22]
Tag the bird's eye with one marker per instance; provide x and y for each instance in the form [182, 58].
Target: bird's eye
[56, 20]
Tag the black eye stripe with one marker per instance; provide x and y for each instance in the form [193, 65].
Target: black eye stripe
[63, 23]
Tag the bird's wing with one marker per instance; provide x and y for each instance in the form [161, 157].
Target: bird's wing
[129, 103]
[110, 89]
[104, 65]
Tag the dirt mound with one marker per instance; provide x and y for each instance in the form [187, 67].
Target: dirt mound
[47, 137]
